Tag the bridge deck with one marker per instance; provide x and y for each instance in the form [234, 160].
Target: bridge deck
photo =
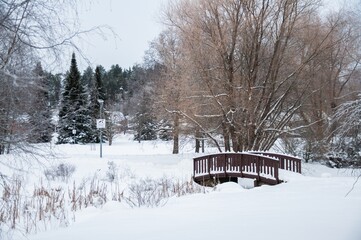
[261, 166]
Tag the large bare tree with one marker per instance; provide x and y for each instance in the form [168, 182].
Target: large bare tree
[250, 64]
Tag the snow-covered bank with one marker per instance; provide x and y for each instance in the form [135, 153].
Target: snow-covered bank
[308, 208]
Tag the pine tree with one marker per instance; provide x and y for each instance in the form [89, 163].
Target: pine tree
[96, 93]
[87, 78]
[74, 115]
[40, 116]
[115, 83]
[99, 83]
[145, 125]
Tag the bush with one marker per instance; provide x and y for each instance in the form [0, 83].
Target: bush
[155, 192]
[165, 131]
[62, 172]
[112, 172]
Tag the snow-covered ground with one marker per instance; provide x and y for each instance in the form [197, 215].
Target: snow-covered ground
[310, 206]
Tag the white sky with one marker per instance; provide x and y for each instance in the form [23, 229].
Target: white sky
[136, 22]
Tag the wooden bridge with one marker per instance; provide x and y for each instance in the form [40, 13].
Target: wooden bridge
[261, 166]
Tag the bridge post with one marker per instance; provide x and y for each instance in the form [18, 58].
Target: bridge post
[241, 164]
[209, 164]
[299, 166]
[224, 158]
[258, 167]
[275, 170]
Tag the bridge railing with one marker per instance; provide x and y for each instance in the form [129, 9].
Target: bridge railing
[263, 168]
[287, 162]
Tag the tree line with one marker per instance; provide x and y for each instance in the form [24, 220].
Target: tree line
[67, 104]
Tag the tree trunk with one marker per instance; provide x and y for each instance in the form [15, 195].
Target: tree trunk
[176, 134]
[235, 139]
[202, 145]
[198, 143]
[110, 140]
[227, 144]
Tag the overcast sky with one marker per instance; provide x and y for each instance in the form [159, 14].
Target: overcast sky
[136, 22]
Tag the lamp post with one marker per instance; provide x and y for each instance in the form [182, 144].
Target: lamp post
[74, 132]
[101, 125]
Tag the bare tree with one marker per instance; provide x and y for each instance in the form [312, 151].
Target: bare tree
[335, 73]
[250, 64]
[170, 86]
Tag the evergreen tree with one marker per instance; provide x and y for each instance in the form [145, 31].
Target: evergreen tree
[96, 93]
[144, 121]
[74, 115]
[54, 88]
[40, 116]
[87, 78]
[115, 83]
[99, 83]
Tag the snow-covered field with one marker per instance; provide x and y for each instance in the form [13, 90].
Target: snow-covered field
[311, 206]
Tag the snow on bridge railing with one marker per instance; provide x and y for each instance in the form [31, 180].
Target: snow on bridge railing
[287, 162]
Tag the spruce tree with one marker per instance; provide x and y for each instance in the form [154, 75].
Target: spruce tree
[74, 116]
[96, 93]
[40, 117]
[145, 125]
[87, 78]
[115, 83]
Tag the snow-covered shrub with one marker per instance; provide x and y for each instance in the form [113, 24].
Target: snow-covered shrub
[126, 172]
[184, 188]
[346, 137]
[112, 172]
[91, 192]
[48, 206]
[155, 192]
[165, 131]
[10, 203]
[144, 193]
[62, 171]
[345, 152]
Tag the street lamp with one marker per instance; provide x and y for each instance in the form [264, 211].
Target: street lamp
[101, 125]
